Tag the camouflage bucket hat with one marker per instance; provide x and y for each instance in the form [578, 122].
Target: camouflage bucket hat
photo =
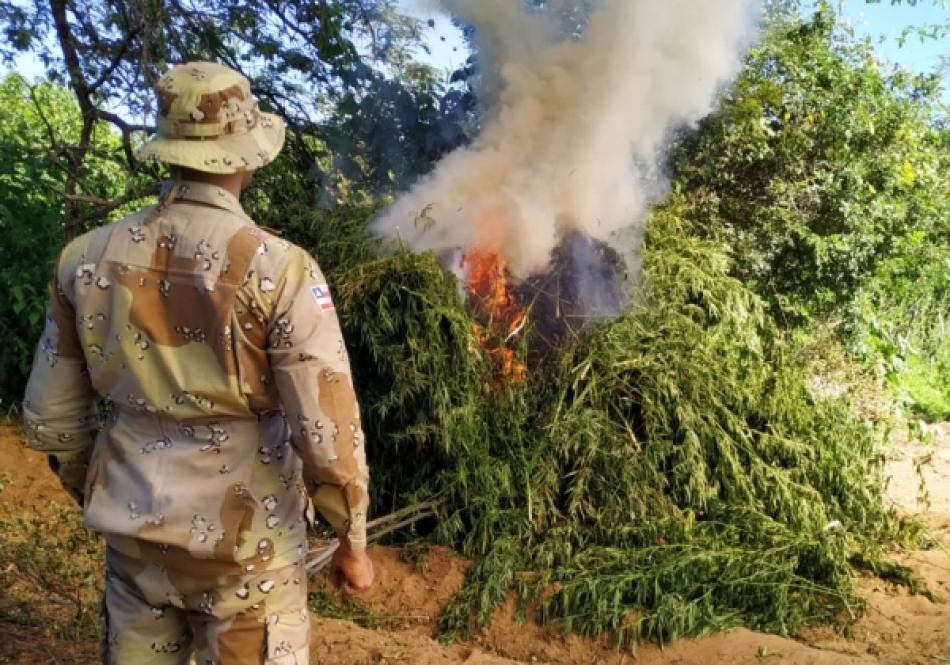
[208, 121]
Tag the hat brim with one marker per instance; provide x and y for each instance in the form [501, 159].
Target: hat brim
[221, 154]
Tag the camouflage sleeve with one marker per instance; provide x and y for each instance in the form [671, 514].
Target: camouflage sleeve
[57, 408]
[312, 373]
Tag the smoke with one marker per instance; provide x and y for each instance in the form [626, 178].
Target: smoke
[582, 98]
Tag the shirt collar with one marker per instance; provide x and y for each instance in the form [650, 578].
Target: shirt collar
[203, 192]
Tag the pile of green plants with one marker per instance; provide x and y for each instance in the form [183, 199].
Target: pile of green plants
[665, 473]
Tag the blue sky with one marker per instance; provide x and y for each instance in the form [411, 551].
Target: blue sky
[885, 22]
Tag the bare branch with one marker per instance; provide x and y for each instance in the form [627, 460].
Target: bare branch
[123, 125]
[126, 129]
[104, 206]
[114, 63]
[68, 45]
[50, 132]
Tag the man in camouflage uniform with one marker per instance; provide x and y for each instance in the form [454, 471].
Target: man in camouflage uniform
[232, 409]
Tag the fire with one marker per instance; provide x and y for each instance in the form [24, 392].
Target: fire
[500, 315]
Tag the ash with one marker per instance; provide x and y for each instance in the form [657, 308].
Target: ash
[586, 284]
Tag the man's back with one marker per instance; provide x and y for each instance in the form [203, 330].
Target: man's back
[183, 316]
[231, 402]
[168, 308]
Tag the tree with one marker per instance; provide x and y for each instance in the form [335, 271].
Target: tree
[815, 163]
[341, 73]
[38, 124]
[827, 177]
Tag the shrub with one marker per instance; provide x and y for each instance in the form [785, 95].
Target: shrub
[668, 472]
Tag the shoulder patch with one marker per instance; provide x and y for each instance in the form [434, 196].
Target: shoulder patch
[321, 293]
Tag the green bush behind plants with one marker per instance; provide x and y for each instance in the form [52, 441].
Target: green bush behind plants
[828, 177]
[30, 222]
[31, 210]
[898, 322]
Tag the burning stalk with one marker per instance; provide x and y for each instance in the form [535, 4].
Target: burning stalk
[500, 317]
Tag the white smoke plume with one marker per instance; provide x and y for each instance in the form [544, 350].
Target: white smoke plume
[582, 98]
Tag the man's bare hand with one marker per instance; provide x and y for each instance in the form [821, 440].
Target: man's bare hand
[351, 570]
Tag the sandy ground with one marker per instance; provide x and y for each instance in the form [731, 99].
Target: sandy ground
[898, 628]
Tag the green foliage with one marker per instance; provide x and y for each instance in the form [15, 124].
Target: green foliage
[670, 474]
[282, 200]
[715, 488]
[925, 385]
[827, 178]
[30, 217]
[31, 210]
[420, 372]
[817, 165]
[396, 131]
[898, 324]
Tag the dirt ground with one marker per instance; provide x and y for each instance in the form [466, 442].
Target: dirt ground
[898, 628]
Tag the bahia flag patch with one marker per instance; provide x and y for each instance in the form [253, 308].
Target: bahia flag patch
[321, 293]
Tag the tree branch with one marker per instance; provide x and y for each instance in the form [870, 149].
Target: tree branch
[67, 44]
[115, 62]
[126, 128]
[50, 132]
[104, 206]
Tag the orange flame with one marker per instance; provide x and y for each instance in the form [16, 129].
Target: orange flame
[501, 316]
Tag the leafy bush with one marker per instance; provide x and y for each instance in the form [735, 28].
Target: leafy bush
[829, 181]
[925, 386]
[31, 210]
[817, 166]
[30, 221]
[669, 474]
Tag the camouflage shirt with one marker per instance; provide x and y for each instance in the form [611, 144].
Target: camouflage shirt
[232, 403]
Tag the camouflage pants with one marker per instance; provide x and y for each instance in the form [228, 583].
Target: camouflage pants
[154, 616]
